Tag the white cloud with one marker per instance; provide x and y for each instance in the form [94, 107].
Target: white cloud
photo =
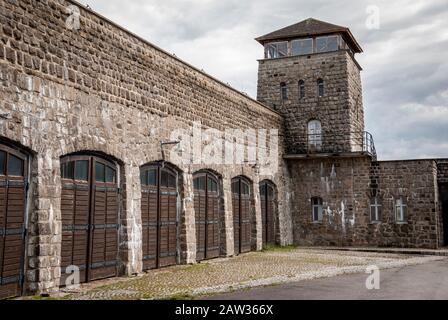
[405, 67]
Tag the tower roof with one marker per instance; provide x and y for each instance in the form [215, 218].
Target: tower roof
[311, 27]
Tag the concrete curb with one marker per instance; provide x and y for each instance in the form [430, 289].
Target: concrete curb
[408, 251]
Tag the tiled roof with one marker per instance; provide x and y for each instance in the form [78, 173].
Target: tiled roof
[311, 27]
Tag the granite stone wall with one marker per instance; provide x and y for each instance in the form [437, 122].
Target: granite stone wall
[347, 186]
[100, 88]
[340, 110]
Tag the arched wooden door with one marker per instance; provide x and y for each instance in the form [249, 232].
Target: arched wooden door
[241, 203]
[90, 217]
[267, 199]
[13, 185]
[159, 216]
[206, 206]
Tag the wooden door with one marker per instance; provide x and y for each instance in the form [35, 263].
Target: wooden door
[13, 185]
[159, 216]
[241, 202]
[267, 197]
[90, 217]
[206, 205]
[104, 221]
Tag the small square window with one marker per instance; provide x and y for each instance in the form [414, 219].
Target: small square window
[212, 185]
[199, 183]
[301, 47]
[144, 177]
[100, 173]
[110, 175]
[276, 50]
[327, 44]
[15, 166]
[81, 170]
[67, 170]
[236, 187]
[152, 177]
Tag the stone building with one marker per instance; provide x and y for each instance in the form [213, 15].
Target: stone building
[117, 157]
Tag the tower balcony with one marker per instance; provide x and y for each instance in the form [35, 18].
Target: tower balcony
[349, 144]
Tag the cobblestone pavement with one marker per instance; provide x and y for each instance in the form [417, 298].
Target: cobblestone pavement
[248, 270]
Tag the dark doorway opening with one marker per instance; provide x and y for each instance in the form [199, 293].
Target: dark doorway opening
[444, 200]
[268, 210]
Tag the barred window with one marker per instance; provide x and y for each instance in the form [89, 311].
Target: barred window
[401, 210]
[375, 210]
[317, 209]
[320, 88]
[301, 47]
[284, 91]
[276, 50]
[301, 89]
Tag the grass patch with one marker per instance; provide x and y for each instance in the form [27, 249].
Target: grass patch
[275, 248]
[180, 296]
[39, 297]
[195, 267]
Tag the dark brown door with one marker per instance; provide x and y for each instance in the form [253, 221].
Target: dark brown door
[13, 183]
[89, 207]
[159, 216]
[241, 203]
[267, 212]
[444, 200]
[206, 206]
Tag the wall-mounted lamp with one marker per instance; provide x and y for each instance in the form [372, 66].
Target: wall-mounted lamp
[5, 116]
[164, 143]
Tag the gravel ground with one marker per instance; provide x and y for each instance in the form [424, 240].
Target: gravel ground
[253, 269]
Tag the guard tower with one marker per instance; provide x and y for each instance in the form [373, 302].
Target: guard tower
[310, 75]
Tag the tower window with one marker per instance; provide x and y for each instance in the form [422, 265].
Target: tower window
[400, 210]
[301, 89]
[314, 135]
[317, 209]
[276, 50]
[375, 210]
[301, 47]
[327, 44]
[284, 91]
[320, 87]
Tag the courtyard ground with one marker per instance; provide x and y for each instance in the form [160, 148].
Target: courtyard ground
[255, 269]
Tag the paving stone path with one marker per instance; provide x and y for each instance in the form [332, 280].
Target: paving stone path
[249, 270]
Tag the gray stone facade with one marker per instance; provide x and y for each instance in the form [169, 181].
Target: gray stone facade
[347, 186]
[340, 110]
[343, 172]
[102, 89]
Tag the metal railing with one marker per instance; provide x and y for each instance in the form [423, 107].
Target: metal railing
[334, 143]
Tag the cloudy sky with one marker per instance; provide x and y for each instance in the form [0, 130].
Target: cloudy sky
[405, 61]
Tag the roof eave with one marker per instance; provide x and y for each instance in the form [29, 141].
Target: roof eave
[357, 48]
